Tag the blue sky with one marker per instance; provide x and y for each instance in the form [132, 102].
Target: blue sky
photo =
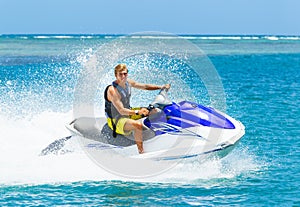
[129, 16]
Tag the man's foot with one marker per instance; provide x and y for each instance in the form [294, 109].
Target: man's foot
[140, 147]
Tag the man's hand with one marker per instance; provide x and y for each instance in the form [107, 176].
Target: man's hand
[144, 112]
[167, 86]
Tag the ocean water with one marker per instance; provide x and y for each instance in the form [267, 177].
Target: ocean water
[260, 77]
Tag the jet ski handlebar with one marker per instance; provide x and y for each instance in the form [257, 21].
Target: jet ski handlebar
[161, 100]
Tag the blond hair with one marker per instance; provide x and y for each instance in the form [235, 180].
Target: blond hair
[120, 68]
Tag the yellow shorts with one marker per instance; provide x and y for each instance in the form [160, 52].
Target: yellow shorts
[122, 121]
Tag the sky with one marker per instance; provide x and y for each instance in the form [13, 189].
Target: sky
[257, 17]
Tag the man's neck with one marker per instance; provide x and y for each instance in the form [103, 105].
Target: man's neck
[122, 84]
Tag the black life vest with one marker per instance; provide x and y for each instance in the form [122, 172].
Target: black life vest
[125, 93]
[110, 109]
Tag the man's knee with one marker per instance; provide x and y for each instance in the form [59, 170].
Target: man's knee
[137, 125]
[133, 125]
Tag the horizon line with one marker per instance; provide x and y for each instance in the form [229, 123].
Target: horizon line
[148, 34]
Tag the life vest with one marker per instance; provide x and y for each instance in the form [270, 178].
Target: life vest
[110, 109]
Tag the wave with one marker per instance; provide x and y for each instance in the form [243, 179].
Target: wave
[153, 36]
[243, 37]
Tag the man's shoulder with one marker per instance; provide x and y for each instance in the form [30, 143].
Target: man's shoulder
[110, 88]
[113, 91]
[131, 82]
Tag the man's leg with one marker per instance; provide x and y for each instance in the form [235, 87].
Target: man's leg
[137, 127]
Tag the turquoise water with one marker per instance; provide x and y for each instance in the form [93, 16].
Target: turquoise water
[260, 77]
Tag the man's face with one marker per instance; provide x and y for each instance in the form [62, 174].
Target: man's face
[122, 75]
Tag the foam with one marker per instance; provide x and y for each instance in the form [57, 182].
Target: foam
[22, 140]
[271, 38]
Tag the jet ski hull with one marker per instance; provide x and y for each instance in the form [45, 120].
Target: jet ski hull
[179, 131]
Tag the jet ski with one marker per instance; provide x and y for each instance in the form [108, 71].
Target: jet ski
[175, 131]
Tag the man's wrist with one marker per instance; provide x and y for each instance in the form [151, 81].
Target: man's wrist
[136, 112]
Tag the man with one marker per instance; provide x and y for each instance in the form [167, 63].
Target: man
[120, 116]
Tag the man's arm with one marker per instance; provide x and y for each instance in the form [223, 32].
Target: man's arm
[146, 86]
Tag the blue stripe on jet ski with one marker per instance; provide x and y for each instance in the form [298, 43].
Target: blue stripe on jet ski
[189, 156]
